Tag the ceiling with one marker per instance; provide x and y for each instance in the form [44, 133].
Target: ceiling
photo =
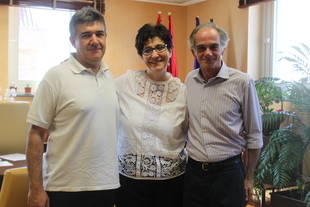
[174, 2]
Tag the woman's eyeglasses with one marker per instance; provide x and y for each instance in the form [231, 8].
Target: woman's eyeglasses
[158, 48]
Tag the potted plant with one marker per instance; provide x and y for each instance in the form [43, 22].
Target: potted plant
[271, 93]
[285, 160]
[28, 89]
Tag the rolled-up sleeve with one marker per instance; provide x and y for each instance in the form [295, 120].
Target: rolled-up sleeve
[252, 117]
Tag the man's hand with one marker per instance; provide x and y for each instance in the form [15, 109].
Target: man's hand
[248, 189]
[37, 199]
[252, 156]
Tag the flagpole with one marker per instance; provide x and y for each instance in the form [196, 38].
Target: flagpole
[173, 64]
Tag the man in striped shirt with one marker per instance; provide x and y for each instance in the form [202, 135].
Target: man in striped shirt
[224, 122]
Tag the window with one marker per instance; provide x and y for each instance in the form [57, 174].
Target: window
[38, 40]
[291, 29]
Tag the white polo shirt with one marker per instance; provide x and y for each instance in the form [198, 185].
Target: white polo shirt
[80, 110]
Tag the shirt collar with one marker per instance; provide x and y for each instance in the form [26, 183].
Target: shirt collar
[222, 74]
[79, 68]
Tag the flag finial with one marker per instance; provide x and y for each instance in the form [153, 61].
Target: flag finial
[158, 21]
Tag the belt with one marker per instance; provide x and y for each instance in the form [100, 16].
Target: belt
[205, 166]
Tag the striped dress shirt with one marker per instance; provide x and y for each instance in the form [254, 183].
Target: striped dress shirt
[224, 115]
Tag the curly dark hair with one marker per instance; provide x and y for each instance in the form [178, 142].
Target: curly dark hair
[149, 31]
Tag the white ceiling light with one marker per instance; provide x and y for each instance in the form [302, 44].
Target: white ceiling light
[174, 2]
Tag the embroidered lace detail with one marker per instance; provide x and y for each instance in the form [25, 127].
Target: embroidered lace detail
[156, 93]
[156, 90]
[127, 164]
[150, 166]
[140, 84]
[173, 90]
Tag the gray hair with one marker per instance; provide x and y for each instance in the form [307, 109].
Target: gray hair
[224, 39]
[85, 15]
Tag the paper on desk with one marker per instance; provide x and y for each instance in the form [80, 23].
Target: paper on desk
[14, 157]
[5, 164]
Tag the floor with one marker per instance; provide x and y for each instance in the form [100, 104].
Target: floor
[258, 205]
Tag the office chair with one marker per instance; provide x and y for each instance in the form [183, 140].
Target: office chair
[14, 188]
[13, 127]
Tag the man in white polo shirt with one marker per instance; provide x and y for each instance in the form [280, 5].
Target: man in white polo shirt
[76, 104]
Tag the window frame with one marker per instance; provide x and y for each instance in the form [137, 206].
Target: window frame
[268, 33]
[60, 4]
[13, 60]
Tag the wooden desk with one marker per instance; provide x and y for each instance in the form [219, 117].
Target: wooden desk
[16, 164]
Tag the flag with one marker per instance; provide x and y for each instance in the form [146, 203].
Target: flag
[172, 68]
[158, 21]
[196, 64]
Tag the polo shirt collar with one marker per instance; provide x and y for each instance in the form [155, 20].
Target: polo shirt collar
[79, 68]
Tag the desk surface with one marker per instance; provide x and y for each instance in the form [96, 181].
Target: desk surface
[16, 164]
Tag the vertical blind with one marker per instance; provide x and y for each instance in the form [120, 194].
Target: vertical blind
[247, 3]
[60, 4]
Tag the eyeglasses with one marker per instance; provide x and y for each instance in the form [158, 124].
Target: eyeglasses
[212, 47]
[158, 48]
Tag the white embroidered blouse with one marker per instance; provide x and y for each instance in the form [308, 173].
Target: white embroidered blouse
[153, 126]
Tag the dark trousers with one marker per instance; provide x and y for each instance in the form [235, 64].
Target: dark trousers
[215, 185]
[101, 198]
[150, 193]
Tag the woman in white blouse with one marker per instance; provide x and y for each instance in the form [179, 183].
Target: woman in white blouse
[153, 127]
